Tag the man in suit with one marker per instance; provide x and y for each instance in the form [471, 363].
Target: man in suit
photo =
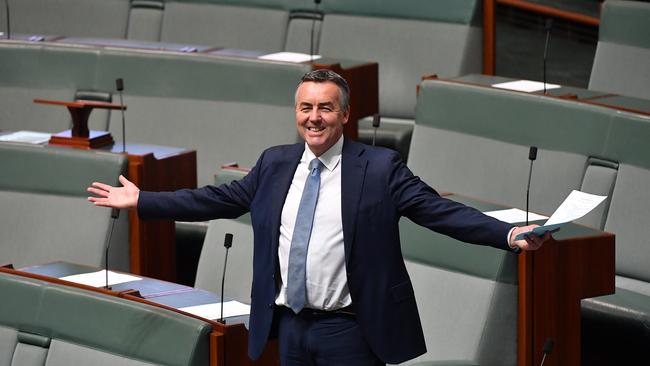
[329, 279]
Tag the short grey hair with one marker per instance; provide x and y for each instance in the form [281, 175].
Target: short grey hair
[324, 75]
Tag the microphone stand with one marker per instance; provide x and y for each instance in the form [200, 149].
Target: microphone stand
[532, 155]
[115, 213]
[227, 243]
[8, 18]
[376, 120]
[549, 25]
[119, 84]
[311, 37]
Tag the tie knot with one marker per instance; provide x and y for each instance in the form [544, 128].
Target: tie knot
[315, 164]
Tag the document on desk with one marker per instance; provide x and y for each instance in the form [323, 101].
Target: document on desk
[98, 279]
[525, 86]
[289, 57]
[514, 215]
[30, 137]
[213, 310]
[575, 206]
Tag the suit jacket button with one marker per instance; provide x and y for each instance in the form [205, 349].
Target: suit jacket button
[270, 306]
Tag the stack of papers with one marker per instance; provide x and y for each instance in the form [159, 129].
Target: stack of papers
[525, 86]
[213, 310]
[98, 279]
[29, 137]
[289, 57]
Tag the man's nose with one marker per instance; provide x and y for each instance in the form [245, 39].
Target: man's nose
[314, 114]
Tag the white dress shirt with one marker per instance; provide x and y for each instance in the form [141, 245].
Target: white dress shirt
[326, 279]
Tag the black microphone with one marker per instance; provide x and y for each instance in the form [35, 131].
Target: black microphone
[8, 18]
[115, 213]
[376, 120]
[532, 155]
[227, 243]
[548, 26]
[119, 85]
[548, 348]
[313, 26]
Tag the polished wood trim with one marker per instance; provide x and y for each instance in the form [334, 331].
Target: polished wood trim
[153, 244]
[489, 37]
[550, 11]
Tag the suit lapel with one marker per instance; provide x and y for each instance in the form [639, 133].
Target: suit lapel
[281, 178]
[353, 172]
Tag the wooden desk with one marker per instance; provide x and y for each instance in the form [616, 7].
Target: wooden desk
[579, 263]
[156, 168]
[228, 342]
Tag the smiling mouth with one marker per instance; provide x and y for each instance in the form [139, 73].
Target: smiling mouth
[315, 129]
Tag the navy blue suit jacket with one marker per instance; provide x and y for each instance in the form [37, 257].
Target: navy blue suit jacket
[376, 190]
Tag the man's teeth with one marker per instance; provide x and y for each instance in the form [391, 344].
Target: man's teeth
[315, 129]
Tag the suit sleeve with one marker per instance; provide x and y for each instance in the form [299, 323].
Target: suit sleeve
[424, 206]
[205, 203]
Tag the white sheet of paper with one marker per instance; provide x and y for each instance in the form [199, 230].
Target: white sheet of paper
[289, 57]
[98, 279]
[576, 205]
[30, 137]
[213, 310]
[514, 215]
[525, 86]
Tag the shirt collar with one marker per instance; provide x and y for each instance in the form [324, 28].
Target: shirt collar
[329, 158]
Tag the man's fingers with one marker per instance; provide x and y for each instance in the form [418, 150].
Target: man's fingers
[102, 186]
[98, 192]
[124, 181]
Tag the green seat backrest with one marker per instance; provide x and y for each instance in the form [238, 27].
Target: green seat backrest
[45, 213]
[623, 52]
[88, 18]
[82, 327]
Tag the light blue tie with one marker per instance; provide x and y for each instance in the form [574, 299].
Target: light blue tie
[296, 288]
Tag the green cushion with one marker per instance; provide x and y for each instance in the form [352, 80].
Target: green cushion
[625, 22]
[56, 171]
[447, 11]
[427, 247]
[518, 118]
[107, 323]
[32, 65]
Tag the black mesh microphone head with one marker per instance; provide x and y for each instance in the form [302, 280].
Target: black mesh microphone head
[227, 241]
[376, 120]
[119, 84]
[548, 346]
[115, 213]
[316, 2]
[548, 24]
[532, 153]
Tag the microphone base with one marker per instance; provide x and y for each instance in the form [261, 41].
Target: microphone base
[222, 321]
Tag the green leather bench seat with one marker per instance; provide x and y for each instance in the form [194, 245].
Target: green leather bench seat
[227, 109]
[45, 215]
[467, 297]
[474, 141]
[623, 52]
[53, 325]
